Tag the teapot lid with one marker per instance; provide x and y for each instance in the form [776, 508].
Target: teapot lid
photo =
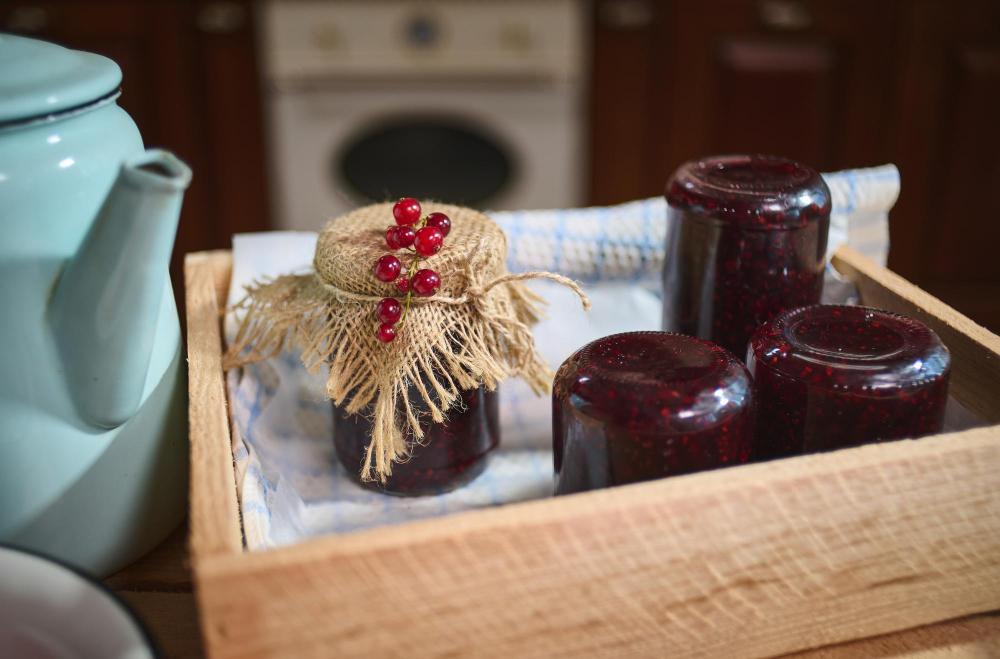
[38, 78]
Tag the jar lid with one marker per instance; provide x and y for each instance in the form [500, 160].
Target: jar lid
[655, 382]
[750, 191]
[38, 78]
[848, 349]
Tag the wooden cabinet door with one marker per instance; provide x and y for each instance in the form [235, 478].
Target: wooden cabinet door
[946, 225]
[809, 80]
[806, 79]
[626, 62]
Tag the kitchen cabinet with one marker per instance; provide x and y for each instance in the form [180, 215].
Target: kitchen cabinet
[946, 143]
[840, 84]
[807, 80]
[190, 83]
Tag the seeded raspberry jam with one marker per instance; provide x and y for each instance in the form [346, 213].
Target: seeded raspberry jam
[643, 405]
[450, 455]
[835, 376]
[746, 240]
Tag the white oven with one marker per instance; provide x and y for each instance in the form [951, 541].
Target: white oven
[475, 102]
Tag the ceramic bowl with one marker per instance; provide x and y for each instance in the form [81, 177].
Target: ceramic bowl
[51, 611]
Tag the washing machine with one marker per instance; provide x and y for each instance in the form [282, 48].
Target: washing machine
[474, 102]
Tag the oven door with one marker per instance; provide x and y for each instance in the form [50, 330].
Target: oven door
[442, 156]
[501, 147]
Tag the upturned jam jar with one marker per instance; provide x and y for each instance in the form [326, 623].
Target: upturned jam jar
[833, 376]
[746, 240]
[450, 454]
[643, 405]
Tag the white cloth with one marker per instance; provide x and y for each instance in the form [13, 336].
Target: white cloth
[290, 483]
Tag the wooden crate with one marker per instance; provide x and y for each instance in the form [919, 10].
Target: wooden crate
[745, 562]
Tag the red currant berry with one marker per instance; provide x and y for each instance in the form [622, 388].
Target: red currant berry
[428, 241]
[387, 268]
[403, 285]
[392, 237]
[426, 282]
[441, 221]
[406, 211]
[388, 310]
[405, 236]
[385, 333]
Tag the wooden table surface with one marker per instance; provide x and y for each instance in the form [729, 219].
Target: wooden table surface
[160, 588]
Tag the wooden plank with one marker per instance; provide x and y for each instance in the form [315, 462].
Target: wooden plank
[172, 621]
[214, 513]
[975, 351]
[977, 637]
[165, 569]
[746, 562]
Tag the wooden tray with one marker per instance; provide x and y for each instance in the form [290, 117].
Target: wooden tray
[745, 562]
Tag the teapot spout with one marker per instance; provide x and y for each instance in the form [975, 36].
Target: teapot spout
[104, 308]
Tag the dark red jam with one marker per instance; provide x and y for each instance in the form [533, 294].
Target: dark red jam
[835, 376]
[746, 240]
[643, 405]
[450, 455]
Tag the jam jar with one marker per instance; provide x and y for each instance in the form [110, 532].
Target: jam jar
[643, 405]
[746, 240]
[833, 376]
[450, 454]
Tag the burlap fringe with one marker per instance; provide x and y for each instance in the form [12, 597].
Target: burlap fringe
[447, 345]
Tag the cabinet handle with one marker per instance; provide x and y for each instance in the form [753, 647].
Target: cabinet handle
[221, 18]
[784, 15]
[27, 20]
[625, 14]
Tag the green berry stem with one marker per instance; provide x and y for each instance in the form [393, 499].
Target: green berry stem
[409, 275]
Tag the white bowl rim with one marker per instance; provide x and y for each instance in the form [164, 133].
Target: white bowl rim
[102, 587]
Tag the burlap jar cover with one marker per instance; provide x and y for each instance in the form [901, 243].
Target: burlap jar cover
[475, 331]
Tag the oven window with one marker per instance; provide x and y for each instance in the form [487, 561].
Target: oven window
[426, 158]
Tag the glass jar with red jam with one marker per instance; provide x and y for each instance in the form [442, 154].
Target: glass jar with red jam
[450, 454]
[643, 405]
[833, 376]
[746, 240]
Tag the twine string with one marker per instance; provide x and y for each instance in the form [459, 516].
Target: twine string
[472, 293]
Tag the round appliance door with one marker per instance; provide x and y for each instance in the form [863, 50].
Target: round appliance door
[440, 157]
[496, 147]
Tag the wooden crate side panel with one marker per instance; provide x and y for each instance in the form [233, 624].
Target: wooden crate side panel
[975, 351]
[976, 637]
[747, 562]
[214, 513]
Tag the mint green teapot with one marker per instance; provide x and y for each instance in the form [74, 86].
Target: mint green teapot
[93, 448]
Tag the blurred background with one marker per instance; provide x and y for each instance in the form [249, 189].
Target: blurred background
[292, 112]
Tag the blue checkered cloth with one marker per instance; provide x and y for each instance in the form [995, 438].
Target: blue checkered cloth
[291, 485]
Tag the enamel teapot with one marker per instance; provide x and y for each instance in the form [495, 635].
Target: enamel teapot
[93, 434]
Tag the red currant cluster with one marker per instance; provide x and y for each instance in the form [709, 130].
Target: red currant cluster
[426, 237]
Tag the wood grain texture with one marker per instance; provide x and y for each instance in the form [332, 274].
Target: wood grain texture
[977, 637]
[214, 513]
[975, 351]
[165, 569]
[158, 587]
[752, 561]
[151, 586]
[172, 621]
